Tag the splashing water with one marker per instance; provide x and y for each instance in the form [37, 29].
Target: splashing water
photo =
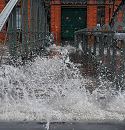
[52, 89]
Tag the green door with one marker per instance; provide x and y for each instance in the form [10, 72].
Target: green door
[73, 19]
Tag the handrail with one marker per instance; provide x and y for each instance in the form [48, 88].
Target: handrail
[100, 31]
[6, 12]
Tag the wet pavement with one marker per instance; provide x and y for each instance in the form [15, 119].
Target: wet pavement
[61, 126]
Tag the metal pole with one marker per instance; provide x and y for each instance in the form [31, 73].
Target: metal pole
[25, 29]
[12, 34]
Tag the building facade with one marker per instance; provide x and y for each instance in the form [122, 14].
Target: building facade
[67, 16]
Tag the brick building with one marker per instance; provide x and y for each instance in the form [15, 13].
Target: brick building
[67, 16]
[72, 15]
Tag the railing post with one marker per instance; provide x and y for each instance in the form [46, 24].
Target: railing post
[75, 40]
[122, 65]
[25, 29]
[101, 46]
[108, 50]
[12, 41]
[113, 57]
[84, 42]
[94, 46]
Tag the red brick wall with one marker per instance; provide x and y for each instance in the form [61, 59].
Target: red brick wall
[55, 13]
[91, 14]
[2, 5]
[107, 12]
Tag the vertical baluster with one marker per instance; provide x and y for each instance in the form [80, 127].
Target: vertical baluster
[76, 40]
[113, 58]
[95, 45]
[12, 34]
[32, 25]
[123, 72]
[101, 46]
[85, 43]
[83, 40]
[25, 28]
[108, 51]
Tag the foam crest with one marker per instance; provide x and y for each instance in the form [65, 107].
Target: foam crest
[52, 89]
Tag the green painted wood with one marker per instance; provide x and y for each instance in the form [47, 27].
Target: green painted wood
[73, 19]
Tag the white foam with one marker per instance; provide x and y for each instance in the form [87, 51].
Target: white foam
[48, 90]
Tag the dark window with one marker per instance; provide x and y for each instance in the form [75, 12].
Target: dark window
[101, 12]
[101, 1]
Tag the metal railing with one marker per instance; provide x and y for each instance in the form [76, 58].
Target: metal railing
[108, 49]
[27, 30]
